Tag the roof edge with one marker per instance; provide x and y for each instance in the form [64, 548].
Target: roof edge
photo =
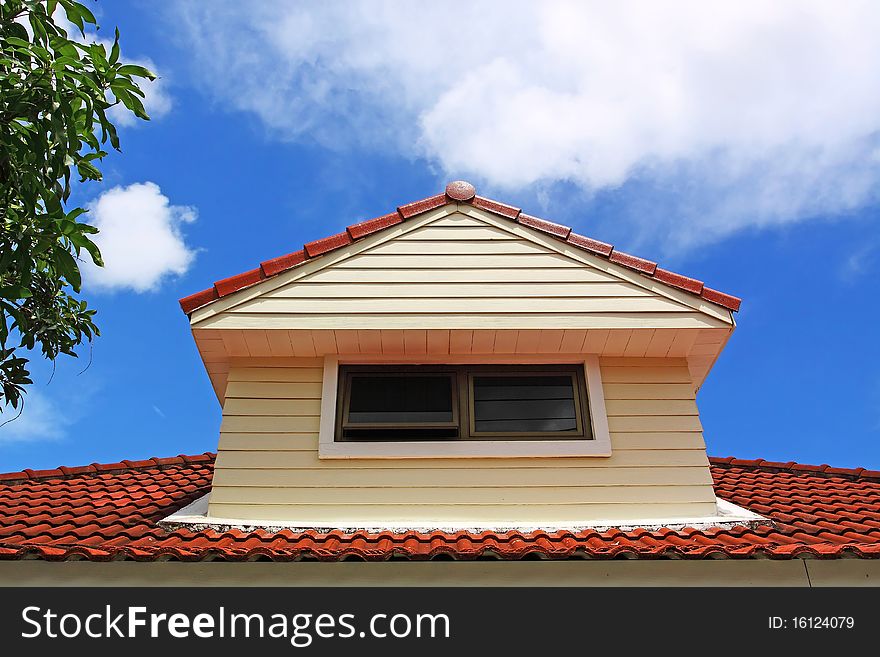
[456, 192]
[854, 474]
[65, 472]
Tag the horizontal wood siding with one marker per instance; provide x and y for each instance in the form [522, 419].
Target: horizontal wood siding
[268, 465]
[456, 270]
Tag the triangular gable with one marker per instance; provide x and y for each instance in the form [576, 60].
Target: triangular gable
[460, 266]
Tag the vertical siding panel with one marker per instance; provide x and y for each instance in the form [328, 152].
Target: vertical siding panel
[460, 341]
[484, 341]
[527, 341]
[370, 341]
[279, 342]
[617, 341]
[392, 341]
[595, 341]
[347, 341]
[505, 341]
[257, 343]
[638, 342]
[549, 341]
[415, 342]
[660, 342]
[573, 341]
[323, 342]
[438, 341]
[681, 344]
[233, 340]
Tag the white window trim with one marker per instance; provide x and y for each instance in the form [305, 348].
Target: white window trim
[329, 448]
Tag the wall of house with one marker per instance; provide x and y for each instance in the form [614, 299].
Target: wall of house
[268, 466]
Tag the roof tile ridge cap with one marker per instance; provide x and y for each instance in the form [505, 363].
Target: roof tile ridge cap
[796, 468]
[70, 472]
[497, 207]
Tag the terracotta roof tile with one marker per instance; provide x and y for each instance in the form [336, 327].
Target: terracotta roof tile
[722, 299]
[685, 283]
[589, 244]
[418, 207]
[238, 282]
[104, 512]
[321, 246]
[556, 230]
[633, 262]
[357, 231]
[496, 207]
[283, 263]
[457, 192]
[197, 300]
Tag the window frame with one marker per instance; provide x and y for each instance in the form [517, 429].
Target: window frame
[579, 389]
[344, 406]
[599, 445]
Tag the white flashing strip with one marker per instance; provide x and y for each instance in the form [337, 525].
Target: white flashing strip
[195, 517]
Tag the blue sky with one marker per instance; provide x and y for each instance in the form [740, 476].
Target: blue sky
[739, 147]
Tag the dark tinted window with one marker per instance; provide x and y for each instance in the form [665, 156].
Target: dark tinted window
[524, 403]
[400, 399]
[462, 402]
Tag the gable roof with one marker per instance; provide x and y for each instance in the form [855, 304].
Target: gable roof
[105, 512]
[456, 192]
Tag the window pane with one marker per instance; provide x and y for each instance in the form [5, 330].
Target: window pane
[524, 404]
[400, 399]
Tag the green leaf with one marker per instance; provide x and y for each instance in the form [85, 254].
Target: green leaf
[114, 52]
[136, 71]
[67, 267]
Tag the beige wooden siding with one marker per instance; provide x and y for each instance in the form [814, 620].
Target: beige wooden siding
[268, 465]
[460, 272]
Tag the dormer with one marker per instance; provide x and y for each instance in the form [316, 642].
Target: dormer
[460, 364]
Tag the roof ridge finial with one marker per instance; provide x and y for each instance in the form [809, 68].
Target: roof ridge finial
[460, 190]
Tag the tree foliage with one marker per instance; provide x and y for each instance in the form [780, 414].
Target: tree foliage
[55, 92]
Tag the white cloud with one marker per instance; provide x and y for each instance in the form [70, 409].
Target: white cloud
[41, 419]
[723, 116]
[140, 238]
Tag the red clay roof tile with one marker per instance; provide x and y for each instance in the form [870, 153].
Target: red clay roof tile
[238, 282]
[496, 207]
[326, 244]
[685, 283]
[633, 262]
[418, 207]
[197, 300]
[556, 230]
[283, 263]
[722, 299]
[589, 244]
[459, 192]
[357, 231]
[105, 512]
